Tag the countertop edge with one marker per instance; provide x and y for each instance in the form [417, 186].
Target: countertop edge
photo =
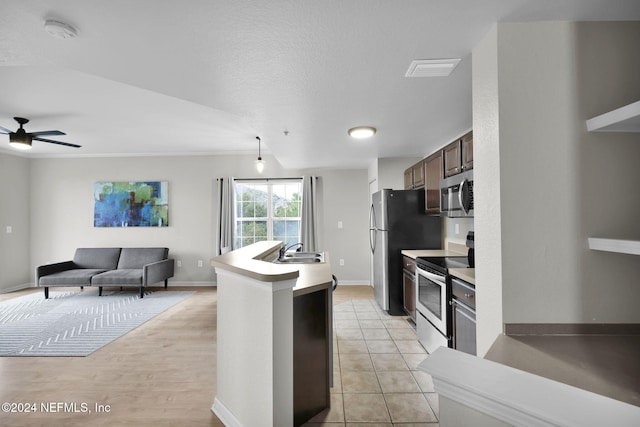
[254, 261]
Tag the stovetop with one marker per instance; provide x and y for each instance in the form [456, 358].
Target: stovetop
[442, 264]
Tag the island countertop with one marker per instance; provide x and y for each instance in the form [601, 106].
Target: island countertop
[255, 261]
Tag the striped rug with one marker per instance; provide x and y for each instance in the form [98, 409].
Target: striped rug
[76, 323]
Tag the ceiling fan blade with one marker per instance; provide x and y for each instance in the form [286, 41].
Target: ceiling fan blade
[5, 130]
[57, 142]
[47, 132]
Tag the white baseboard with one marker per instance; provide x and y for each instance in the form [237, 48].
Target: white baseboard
[180, 283]
[17, 288]
[353, 282]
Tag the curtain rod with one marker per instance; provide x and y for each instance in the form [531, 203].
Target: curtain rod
[265, 179]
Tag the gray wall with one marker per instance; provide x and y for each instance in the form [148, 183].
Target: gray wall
[534, 86]
[59, 195]
[15, 269]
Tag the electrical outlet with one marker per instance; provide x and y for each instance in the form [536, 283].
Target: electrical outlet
[457, 228]
[341, 262]
[9, 229]
[339, 224]
[200, 263]
[178, 263]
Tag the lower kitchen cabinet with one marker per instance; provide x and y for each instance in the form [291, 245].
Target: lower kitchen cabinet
[463, 307]
[409, 286]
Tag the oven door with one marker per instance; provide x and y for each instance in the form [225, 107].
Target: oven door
[432, 300]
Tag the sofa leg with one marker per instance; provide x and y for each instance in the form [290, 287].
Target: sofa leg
[141, 292]
[46, 292]
[99, 291]
[82, 288]
[166, 283]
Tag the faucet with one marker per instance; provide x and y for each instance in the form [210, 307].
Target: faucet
[284, 248]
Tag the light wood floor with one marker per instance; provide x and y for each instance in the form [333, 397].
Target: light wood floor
[162, 373]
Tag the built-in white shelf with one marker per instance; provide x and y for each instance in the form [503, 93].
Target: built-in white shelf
[615, 245]
[623, 119]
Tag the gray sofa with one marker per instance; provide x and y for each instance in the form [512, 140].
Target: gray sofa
[102, 267]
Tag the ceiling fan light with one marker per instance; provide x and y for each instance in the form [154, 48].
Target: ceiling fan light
[362, 132]
[20, 145]
[21, 142]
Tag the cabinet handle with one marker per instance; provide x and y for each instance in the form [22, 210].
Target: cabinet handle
[468, 295]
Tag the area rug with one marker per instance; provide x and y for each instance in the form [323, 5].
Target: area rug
[76, 323]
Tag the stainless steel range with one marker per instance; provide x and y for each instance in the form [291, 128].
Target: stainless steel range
[433, 293]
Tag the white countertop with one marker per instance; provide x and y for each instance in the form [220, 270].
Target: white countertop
[414, 253]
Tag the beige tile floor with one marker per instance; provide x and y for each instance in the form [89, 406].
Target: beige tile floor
[376, 381]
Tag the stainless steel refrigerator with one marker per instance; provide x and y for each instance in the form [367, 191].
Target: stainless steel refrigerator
[397, 221]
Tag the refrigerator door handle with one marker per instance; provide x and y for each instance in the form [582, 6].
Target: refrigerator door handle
[372, 230]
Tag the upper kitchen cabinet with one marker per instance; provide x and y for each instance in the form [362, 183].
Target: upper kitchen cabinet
[458, 156]
[434, 173]
[466, 151]
[414, 176]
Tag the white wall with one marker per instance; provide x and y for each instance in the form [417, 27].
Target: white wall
[559, 184]
[487, 192]
[62, 209]
[15, 269]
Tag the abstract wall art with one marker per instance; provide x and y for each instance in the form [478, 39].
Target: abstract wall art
[131, 204]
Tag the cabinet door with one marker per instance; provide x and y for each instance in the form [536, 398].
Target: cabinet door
[408, 179]
[452, 159]
[466, 148]
[418, 174]
[433, 175]
[409, 297]
[464, 328]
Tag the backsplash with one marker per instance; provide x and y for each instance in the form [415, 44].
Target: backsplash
[455, 231]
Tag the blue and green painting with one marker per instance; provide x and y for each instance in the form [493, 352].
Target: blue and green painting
[131, 204]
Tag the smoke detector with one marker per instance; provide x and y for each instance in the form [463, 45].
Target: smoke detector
[432, 67]
[59, 30]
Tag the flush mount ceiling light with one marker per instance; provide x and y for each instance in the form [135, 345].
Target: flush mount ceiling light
[362, 132]
[59, 30]
[432, 67]
[259, 161]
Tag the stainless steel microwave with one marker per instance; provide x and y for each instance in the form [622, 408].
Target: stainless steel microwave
[456, 195]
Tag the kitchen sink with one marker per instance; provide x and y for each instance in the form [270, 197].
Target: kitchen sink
[304, 255]
[301, 258]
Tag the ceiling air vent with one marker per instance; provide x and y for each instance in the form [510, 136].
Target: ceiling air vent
[431, 67]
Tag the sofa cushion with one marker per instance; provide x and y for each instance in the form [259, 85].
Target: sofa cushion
[119, 277]
[139, 257]
[75, 277]
[101, 258]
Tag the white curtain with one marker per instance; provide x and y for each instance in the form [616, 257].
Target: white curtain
[226, 220]
[309, 217]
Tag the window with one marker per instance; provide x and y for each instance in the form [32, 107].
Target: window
[268, 210]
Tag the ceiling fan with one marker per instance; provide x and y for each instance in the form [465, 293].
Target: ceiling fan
[22, 139]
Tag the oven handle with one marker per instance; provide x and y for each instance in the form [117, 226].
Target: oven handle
[431, 276]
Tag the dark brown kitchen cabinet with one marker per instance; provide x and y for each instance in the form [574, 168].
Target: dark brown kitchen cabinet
[463, 307]
[414, 176]
[466, 151]
[434, 173]
[408, 179]
[409, 286]
[452, 159]
[458, 156]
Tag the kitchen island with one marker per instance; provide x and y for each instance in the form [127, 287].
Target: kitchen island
[274, 337]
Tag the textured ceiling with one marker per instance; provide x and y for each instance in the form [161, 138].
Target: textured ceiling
[208, 76]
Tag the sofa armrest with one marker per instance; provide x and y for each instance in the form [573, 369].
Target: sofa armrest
[44, 270]
[157, 271]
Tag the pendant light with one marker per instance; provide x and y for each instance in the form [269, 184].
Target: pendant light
[259, 162]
